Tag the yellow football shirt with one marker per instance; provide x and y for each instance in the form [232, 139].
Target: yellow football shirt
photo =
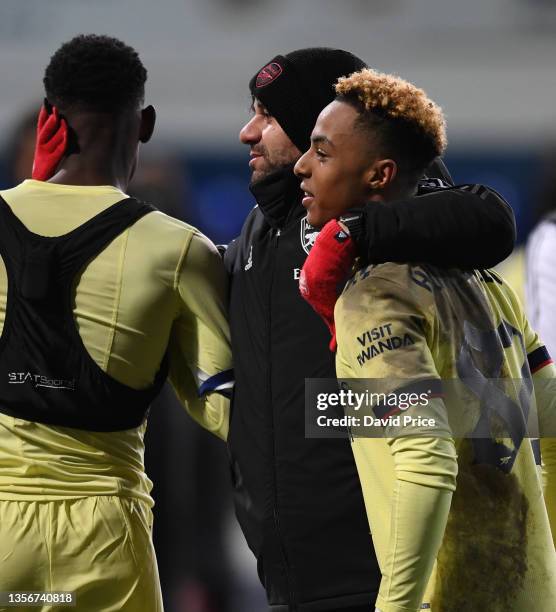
[159, 284]
[481, 533]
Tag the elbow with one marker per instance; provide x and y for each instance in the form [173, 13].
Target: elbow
[503, 233]
[431, 462]
[496, 229]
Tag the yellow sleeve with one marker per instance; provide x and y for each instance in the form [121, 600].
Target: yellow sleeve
[545, 392]
[544, 382]
[200, 360]
[425, 468]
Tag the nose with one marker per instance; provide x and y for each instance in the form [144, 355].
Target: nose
[302, 167]
[251, 132]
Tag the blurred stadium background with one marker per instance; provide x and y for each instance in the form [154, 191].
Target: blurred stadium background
[489, 64]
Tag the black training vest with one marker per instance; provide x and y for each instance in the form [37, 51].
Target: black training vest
[46, 373]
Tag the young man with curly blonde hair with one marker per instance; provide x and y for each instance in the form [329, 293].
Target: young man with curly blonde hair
[471, 509]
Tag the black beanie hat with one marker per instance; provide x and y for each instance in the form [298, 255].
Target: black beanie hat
[297, 86]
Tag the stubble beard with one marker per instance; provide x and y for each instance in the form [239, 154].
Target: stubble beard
[279, 160]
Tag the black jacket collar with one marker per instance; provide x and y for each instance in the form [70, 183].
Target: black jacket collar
[278, 195]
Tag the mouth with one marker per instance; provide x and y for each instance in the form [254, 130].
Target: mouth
[308, 197]
[253, 158]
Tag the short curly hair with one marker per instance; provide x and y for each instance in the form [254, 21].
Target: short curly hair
[95, 73]
[410, 126]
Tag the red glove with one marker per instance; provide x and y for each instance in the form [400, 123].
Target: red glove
[328, 264]
[52, 140]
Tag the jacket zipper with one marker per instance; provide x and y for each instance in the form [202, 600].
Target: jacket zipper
[292, 604]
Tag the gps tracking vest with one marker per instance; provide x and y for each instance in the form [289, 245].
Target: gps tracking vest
[46, 373]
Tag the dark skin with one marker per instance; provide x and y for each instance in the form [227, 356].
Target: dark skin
[345, 167]
[106, 146]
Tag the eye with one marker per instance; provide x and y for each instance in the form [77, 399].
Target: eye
[321, 154]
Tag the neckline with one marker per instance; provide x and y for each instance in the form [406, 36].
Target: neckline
[64, 187]
[67, 235]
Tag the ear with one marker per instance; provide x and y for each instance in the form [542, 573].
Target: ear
[381, 174]
[148, 120]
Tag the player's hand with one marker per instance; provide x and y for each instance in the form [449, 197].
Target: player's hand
[52, 140]
[328, 264]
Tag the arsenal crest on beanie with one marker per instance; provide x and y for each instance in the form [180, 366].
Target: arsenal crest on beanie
[297, 86]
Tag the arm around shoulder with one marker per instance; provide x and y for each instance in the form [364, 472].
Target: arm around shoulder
[470, 226]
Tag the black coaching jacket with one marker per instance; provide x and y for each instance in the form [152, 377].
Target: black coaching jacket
[298, 500]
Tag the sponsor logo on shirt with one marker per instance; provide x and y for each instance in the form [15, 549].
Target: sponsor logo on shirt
[380, 339]
[39, 380]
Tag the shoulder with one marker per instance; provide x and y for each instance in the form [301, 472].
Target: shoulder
[388, 294]
[6, 193]
[410, 282]
[383, 322]
[159, 222]
[167, 232]
[20, 190]
[170, 241]
[504, 299]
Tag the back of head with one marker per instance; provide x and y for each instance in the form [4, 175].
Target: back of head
[402, 122]
[95, 74]
[297, 86]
